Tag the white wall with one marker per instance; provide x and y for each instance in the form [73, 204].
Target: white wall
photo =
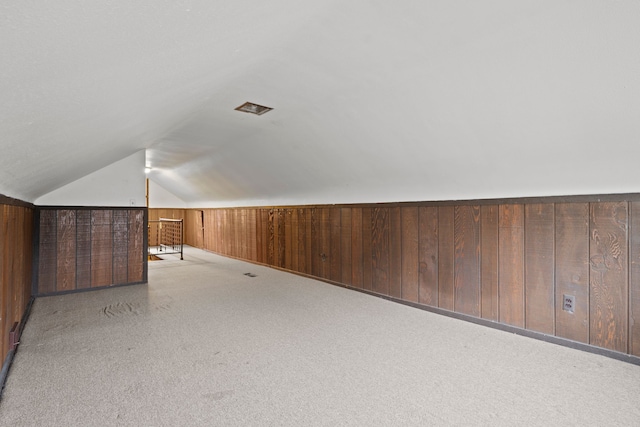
[120, 184]
[160, 197]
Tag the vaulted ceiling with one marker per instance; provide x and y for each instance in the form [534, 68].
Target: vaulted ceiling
[373, 100]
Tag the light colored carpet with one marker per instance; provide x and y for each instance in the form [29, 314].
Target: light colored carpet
[204, 345]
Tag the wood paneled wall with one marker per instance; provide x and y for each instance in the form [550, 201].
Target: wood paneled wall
[510, 262]
[16, 248]
[82, 248]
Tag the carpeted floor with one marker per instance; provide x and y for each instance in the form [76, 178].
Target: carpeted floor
[205, 345]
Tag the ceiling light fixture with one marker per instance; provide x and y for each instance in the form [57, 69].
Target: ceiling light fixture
[250, 107]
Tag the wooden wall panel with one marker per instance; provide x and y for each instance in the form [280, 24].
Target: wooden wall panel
[16, 254]
[380, 250]
[304, 241]
[609, 276]
[634, 279]
[66, 250]
[48, 257]
[428, 256]
[489, 256]
[120, 248]
[446, 255]
[83, 249]
[367, 252]
[101, 248]
[288, 237]
[356, 248]
[467, 260]
[507, 261]
[346, 273]
[335, 256]
[137, 253]
[410, 254]
[395, 252]
[572, 270]
[511, 265]
[295, 241]
[539, 269]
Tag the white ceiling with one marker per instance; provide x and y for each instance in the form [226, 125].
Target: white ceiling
[373, 100]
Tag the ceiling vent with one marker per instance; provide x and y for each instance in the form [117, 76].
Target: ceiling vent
[250, 107]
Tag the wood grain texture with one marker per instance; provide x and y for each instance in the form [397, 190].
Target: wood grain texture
[356, 248]
[345, 246]
[271, 237]
[137, 251]
[410, 254]
[48, 265]
[380, 250]
[120, 247]
[335, 256]
[304, 240]
[101, 248]
[572, 269]
[288, 237]
[428, 256]
[446, 256]
[295, 240]
[511, 265]
[66, 250]
[467, 260]
[367, 252]
[634, 279]
[609, 276]
[395, 252]
[489, 264]
[316, 236]
[539, 268]
[83, 246]
[6, 273]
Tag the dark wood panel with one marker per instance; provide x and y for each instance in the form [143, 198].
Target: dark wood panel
[83, 245]
[380, 250]
[634, 279]
[356, 248]
[489, 264]
[335, 243]
[345, 246]
[304, 240]
[467, 260]
[395, 252]
[288, 237]
[511, 265]
[316, 235]
[325, 243]
[66, 250]
[572, 270]
[367, 252]
[101, 248]
[48, 259]
[410, 254]
[271, 237]
[6, 259]
[120, 246]
[446, 255]
[428, 256]
[137, 251]
[609, 276]
[295, 240]
[539, 268]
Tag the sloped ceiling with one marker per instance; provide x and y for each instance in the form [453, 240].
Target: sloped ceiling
[373, 100]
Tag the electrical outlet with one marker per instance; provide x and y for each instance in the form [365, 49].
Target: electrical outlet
[568, 303]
